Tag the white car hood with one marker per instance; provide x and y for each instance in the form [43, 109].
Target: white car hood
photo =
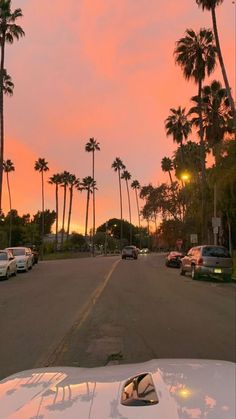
[186, 389]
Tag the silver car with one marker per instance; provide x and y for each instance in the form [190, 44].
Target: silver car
[210, 261]
[129, 252]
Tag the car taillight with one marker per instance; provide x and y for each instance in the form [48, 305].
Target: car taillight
[200, 261]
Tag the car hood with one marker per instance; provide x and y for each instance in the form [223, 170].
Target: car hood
[186, 389]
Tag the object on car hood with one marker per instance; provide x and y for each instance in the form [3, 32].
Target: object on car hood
[179, 389]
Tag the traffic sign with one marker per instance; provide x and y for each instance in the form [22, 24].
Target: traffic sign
[193, 238]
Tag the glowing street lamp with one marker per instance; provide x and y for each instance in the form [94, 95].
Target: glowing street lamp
[185, 176]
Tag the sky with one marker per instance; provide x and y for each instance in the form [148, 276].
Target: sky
[102, 69]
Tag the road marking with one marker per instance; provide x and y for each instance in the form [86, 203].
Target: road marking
[55, 353]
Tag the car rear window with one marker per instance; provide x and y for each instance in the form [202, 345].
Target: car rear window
[211, 251]
[3, 256]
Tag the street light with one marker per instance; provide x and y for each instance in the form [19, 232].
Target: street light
[185, 176]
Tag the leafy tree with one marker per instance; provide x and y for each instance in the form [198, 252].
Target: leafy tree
[9, 31]
[91, 146]
[77, 241]
[88, 184]
[177, 125]
[167, 166]
[211, 5]
[49, 219]
[118, 165]
[8, 167]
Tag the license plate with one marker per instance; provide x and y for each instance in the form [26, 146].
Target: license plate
[217, 271]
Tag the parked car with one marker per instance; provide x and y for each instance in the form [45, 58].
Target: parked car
[157, 389]
[8, 265]
[173, 259]
[144, 251]
[129, 252]
[208, 260]
[24, 258]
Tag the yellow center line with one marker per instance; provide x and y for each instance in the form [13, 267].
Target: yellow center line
[62, 347]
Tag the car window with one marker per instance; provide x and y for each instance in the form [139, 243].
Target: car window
[18, 252]
[3, 256]
[215, 252]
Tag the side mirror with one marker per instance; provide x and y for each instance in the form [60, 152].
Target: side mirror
[11, 258]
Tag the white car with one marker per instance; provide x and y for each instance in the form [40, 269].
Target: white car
[24, 259]
[8, 265]
[157, 389]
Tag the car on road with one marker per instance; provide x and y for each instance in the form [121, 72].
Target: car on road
[23, 256]
[157, 389]
[8, 265]
[208, 261]
[129, 252]
[173, 259]
[144, 251]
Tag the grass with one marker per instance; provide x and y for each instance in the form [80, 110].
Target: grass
[66, 255]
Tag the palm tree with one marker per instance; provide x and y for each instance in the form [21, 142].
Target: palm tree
[118, 165]
[211, 5]
[41, 166]
[178, 126]
[56, 180]
[73, 182]
[88, 184]
[167, 166]
[127, 176]
[92, 146]
[8, 167]
[9, 31]
[135, 185]
[217, 119]
[64, 184]
[196, 55]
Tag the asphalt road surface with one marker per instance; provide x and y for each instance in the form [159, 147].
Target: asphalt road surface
[93, 312]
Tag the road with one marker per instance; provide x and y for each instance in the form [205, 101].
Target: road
[90, 312]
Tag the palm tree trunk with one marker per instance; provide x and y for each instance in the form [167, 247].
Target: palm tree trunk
[93, 236]
[130, 231]
[56, 238]
[139, 223]
[10, 205]
[87, 211]
[42, 228]
[1, 115]
[63, 216]
[171, 179]
[70, 210]
[224, 74]
[121, 213]
[203, 167]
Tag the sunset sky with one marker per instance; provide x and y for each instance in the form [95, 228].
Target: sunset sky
[103, 69]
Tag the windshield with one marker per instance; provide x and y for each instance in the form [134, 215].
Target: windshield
[215, 252]
[3, 256]
[18, 252]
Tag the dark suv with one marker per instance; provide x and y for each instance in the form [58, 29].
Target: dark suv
[210, 261]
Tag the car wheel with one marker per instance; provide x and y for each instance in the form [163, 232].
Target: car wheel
[194, 274]
[8, 274]
[123, 257]
[182, 272]
[15, 272]
[227, 278]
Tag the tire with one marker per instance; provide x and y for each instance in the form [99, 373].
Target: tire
[194, 274]
[15, 272]
[182, 272]
[227, 278]
[8, 274]
[123, 257]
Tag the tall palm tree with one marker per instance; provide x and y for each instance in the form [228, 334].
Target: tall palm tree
[8, 167]
[211, 5]
[178, 126]
[41, 166]
[167, 166]
[91, 146]
[56, 180]
[64, 184]
[196, 55]
[73, 182]
[88, 184]
[216, 113]
[135, 185]
[118, 165]
[127, 176]
[9, 31]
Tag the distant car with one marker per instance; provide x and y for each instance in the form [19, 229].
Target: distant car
[208, 260]
[157, 389]
[129, 252]
[24, 258]
[8, 265]
[144, 251]
[173, 259]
